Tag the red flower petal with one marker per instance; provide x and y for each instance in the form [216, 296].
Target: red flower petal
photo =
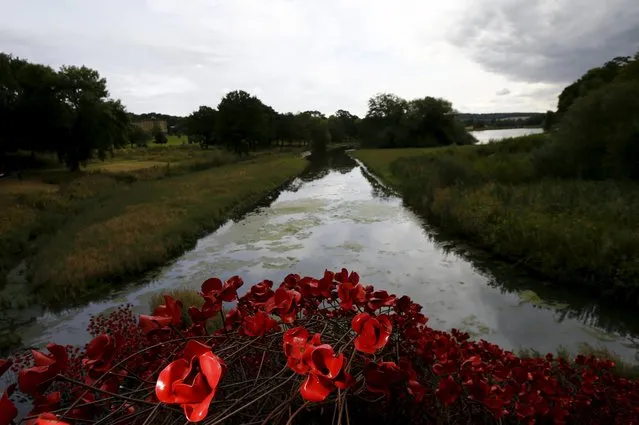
[8, 410]
[211, 285]
[175, 371]
[153, 323]
[323, 361]
[295, 342]
[315, 388]
[5, 365]
[193, 349]
[49, 419]
[171, 308]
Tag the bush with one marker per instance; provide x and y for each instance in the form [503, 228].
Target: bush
[598, 138]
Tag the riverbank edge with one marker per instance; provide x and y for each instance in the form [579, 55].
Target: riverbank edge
[55, 295]
[381, 167]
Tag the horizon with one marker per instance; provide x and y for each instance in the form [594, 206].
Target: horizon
[170, 56]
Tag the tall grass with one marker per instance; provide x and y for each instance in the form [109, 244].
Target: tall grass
[99, 228]
[581, 233]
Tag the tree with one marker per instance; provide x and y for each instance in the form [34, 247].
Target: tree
[598, 137]
[138, 136]
[320, 135]
[201, 126]
[243, 122]
[394, 122]
[158, 135]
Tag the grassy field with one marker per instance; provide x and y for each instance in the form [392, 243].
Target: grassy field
[82, 230]
[577, 232]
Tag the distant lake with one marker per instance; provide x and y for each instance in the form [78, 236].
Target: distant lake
[485, 136]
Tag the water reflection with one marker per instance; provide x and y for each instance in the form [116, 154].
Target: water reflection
[336, 214]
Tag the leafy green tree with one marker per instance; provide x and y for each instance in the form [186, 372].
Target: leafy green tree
[94, 124]
[158, 135]
[598, 138]
[319, 134]
[138, 136]
[243, 122]
[201, 126]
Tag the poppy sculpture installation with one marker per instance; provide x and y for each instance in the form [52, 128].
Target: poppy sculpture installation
[327, 350]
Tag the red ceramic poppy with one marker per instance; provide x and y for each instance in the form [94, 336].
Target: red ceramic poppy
[344, 277]
[295, 341]
[448, 390]
[284, 302]
[45, 369]
[49, 419]
[315, 388]
[169, 313]
[323, 361]
[226, 291]
[45, 403]
[291, 281]
[232, 317]
[259, 293]
[350, 294]
[191, 381]
[8, 410]
[379, 299]
[171, 308]
[373, 332]
[258, 325]
[5, 365]
[381, 377]
[100, 353]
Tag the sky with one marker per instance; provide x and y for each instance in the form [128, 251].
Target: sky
[172, 56]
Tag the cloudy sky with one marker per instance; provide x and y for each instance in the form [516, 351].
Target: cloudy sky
[173, 55]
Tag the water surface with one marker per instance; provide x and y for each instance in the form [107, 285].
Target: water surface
[338, 215]
[485, 136]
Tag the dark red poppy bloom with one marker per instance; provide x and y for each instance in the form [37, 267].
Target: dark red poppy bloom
[284, 302]
[232, 317]
[379, 299]
[297, 346]
[291, 281]
[349, 294]
[226, 291]
[261, 292]
[344, 380]
[46, 367]
[381, 377]
[191, 381]
[343, 277]
[100, 353]
[8, 410]
[45, 403]
[373, 332]
[259, 324]
[49, 419]
[448, 390]
[169, 313]
[5, 365]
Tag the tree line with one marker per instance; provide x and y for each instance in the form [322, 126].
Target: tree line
[69, 112]
[595, 128]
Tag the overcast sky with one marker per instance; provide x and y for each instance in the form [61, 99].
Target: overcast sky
[173, 55]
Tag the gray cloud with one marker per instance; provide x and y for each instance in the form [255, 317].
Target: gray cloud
[503, 92]
[550, 41]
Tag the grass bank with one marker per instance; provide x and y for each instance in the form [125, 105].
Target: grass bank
[576, 232]
[99, 228]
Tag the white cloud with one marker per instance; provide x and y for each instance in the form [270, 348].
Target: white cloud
[172, 56]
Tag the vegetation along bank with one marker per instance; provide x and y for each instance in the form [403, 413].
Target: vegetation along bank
[564, 204]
